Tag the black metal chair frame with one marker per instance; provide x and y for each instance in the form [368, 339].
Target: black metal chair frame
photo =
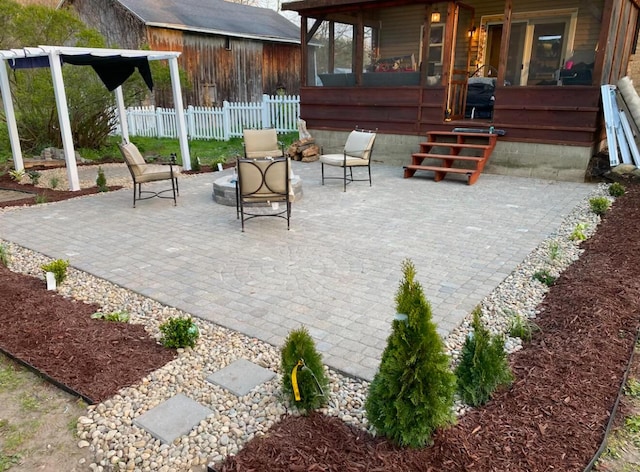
[348, 179]
[257, 197]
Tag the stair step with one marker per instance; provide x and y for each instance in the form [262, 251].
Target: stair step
[428, 155]
[453, 133]
[481, 147]
[453, 170]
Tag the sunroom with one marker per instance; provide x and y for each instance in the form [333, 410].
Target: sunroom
[405, 67]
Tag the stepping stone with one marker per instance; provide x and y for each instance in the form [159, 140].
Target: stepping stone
[172, 418]
[241, 376]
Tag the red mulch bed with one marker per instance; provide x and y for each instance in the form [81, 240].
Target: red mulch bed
[31, 191]
[555, 415]
[58, 337]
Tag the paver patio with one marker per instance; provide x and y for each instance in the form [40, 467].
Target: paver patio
[336, 272]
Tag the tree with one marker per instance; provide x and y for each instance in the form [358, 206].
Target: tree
[411, 395]
[483, 366]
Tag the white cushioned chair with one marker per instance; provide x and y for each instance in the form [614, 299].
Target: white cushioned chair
[356, 153]
[260, 143]
[264, 184]
[142, 173]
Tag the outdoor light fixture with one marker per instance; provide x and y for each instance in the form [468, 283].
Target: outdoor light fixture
[471, 31]
[435, 17]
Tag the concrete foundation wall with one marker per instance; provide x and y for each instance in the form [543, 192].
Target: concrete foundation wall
[544, 161]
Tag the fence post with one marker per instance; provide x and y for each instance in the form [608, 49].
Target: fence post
[266, 111]
[159, 132]
[226, 121]
[190, 121]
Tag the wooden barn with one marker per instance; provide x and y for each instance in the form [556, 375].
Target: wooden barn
[532, 68]
[230, 51]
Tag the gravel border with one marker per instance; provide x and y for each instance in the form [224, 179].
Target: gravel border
[107, 428]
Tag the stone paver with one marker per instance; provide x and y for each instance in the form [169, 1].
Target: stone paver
[172, 418]
[241, 376]
[336, 271]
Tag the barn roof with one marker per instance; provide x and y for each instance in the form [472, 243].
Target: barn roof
[215, 17]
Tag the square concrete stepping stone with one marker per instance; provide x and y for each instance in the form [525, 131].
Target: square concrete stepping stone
[172, 418]
[241, 376]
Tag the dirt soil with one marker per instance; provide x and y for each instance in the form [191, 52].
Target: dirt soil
[553, 417]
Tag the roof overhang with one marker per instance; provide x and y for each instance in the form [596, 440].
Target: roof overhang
[278, 39]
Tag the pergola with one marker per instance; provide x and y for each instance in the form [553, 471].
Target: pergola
[54, 57]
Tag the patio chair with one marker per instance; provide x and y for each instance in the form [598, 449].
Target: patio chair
[143, 173]
[260, 143]
[262, 186]
[356, 153]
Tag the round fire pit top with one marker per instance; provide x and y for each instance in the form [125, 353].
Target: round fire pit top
[224, 189]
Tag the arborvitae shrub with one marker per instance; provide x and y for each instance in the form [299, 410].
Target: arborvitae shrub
[616, 189]
[483, 365]
[412, 393]
[59, 269]
[101, 181]
[179, 333]
[313, 384]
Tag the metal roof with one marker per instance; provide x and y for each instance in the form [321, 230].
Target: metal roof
[215, 17]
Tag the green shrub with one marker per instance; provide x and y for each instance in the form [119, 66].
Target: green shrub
[4, 255]
[195, 164]
[41, 198]
[483, 365]
[59, 269]
[545, 277]
[554, 251]
[523, 328]
[16, 174]
[299, 352]
[179, 332]
[101, 181]
[54, 182]
[599, 205]
[34, 175]
[578, 232]
[616, 189]
[119, 316]
[412, 393]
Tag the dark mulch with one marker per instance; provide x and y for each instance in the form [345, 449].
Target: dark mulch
[554, 416]
[31, 192]
[57, 335]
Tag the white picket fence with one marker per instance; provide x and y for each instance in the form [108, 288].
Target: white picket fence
[220, 123]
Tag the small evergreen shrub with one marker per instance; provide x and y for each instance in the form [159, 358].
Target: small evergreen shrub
[521, 327]
[101, 181]
[578, 232]
[179, 332]
[599, 205]
[412, 393]
[545, 277]
[16, 174]
[616, 189]
[4, 255]
[195, 164]
[299, 352]
[41, 198]
[34, 175]
[483, 365]
[54, 182]
[119, 316]
[59, 268]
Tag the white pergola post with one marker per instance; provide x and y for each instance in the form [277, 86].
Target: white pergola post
[10, 116]
[122, 115]
[180, 121]
[65, 124]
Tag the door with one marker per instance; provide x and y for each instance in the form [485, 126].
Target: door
[463, 30]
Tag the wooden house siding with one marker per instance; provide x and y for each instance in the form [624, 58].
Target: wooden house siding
[219, 67]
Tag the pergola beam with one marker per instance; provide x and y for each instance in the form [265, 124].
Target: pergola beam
[54, 53]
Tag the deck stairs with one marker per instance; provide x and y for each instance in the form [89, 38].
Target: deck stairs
[469, 151]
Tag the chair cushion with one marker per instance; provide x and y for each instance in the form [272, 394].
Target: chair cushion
[359, 144]
[338, 160]
[263, 179]
[261, 143]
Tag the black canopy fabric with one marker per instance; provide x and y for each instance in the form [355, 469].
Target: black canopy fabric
[112, 70]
